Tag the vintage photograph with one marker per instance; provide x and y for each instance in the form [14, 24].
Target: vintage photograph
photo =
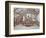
[26, 18]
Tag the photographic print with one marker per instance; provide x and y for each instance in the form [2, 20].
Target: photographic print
[24, 18]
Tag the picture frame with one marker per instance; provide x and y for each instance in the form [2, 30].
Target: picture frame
[18, 10]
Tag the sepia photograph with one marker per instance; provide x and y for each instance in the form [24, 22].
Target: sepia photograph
[26, 18]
